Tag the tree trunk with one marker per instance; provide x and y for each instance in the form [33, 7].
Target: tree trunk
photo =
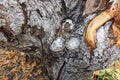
[53, 30]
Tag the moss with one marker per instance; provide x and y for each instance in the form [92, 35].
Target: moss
[110, 73]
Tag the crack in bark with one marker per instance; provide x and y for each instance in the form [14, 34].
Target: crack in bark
[6, 30]
[23, 6]
[38, 11]
[64, 8]
[60, 71]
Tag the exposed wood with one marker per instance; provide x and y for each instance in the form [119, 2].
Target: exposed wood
[94, 25]
[116, 26]
[95, 5]
[97, 22]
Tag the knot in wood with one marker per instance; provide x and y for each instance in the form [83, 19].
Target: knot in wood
[68, 26]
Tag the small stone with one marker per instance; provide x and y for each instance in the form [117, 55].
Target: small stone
[57, 44]
[73, 43]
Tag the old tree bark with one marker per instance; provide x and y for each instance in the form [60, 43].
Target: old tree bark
[53, 31]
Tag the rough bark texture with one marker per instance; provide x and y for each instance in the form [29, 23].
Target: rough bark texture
[53, 30]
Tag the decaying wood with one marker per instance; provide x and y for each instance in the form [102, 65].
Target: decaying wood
[95, 24]
[116, 26]
[98, 21]
[94, 5]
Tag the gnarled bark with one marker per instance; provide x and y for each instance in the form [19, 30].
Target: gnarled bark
[53, 30]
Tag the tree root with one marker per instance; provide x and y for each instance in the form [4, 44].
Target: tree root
[97, 22]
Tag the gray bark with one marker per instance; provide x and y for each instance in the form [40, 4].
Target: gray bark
[53, 30]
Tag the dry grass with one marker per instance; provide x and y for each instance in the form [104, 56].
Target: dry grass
[15, 66]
